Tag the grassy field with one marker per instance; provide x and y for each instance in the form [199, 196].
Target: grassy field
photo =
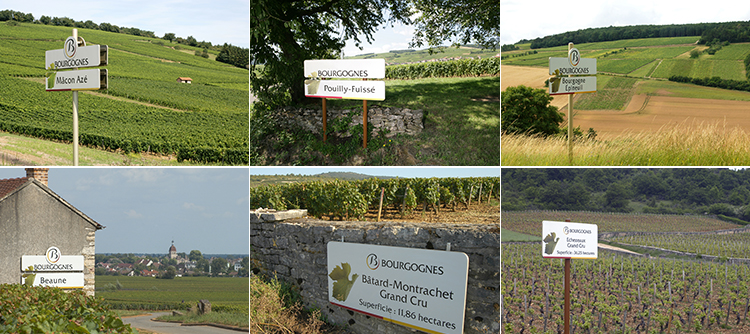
[228, 292]
[461, 128]
[508, 235]
[144, 109]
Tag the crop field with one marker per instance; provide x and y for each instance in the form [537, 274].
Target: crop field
[530, 222]
[144, 109]
[621, 294]
[722, 245]
[150, 293]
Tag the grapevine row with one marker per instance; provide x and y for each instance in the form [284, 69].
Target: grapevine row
[441, 69]
[352, 199]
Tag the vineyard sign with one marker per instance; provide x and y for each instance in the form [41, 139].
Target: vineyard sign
[417, 288]
[566, 240]
[53, 269]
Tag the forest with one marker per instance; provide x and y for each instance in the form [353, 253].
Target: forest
[734, 32]
[721, 192]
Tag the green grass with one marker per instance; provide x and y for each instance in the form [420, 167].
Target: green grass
[149, 290]
[613, 92]
[507, 236]
[622, 66]
[231, 319]
[676, 89]
[732, 52]
[461, 126]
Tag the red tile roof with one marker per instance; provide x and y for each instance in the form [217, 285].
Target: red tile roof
[7, 186]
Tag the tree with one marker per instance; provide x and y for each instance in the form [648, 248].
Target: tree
[233, 55]
[195, 255]
[191, 41]
[170, 273]
[218, 265]
[284, 34]
[527, 110]
[462, 22]
[169, 36]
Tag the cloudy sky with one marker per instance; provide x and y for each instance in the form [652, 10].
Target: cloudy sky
[529, 19]
[218, 22]
[144, 209]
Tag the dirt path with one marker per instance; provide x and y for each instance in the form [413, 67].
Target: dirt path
[605, 246]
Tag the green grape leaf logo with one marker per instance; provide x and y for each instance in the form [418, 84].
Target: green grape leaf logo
[551, 242]
[342, 285]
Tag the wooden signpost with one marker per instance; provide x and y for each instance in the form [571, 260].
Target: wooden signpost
[73, 55]
[364, 90]
[560, 85]
[566, 240]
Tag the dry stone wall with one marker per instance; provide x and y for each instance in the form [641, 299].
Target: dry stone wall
[295, 251]
[395, 120]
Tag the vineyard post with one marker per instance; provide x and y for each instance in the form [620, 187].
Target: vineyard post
[380, 208]
[566, 310]
[75, 113]
[364, 121]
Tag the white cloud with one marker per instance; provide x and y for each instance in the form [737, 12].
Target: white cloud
[133, 214]
[141, 175]
[193, 206]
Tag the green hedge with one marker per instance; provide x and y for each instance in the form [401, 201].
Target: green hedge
[27, 309]
[441, 69]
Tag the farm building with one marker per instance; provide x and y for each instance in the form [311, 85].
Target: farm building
[40, 229]
[184, 80]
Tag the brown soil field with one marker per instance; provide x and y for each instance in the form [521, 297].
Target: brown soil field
[643, 113]
[528, 76]
[650, 114]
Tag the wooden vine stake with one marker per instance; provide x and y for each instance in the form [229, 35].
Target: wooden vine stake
[380, 208]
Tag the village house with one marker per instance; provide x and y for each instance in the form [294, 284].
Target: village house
[184, 80]
[34, 220]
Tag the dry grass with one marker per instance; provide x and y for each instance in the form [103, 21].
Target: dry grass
[269, 313]
[683, 144]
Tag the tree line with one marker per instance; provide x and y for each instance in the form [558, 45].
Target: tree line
[663, 191]
[228, 53]
[725, 31]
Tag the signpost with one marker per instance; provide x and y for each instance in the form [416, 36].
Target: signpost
[363, 69]
[570, 66]
[53, 269]
[566, 240]
[417, 288]
[73, 55]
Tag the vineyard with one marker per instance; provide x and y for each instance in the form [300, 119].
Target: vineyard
[204, 122]
[530, 222]
[443, 69]
[616, 294]
[721, 245]
[353, 199]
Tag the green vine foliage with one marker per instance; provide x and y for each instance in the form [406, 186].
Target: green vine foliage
[25, 309]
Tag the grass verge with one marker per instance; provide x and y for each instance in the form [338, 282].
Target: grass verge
[507, 236]
[223, 318]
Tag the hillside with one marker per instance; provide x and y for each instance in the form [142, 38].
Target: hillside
[143, 110]
[261, 180]
[412, 56]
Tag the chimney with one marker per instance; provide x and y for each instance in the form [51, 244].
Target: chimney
[39, 174]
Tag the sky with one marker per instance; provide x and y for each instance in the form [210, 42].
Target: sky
[144, 209]
[218, 22]
[529, 19]
[405, 172]
[386, 38]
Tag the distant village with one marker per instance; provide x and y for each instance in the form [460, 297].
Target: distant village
[171, 265]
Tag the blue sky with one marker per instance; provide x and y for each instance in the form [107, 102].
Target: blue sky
[406, 172]
[386, 38]
[529, 19]
[218, 22]
[144, 209]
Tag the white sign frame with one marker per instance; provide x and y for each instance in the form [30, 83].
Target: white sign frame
[83, 56]
[566, 240]
[78, 80]
[585, 66]
[58, 280]
[345, 68]
[346, 89]
[417, 288]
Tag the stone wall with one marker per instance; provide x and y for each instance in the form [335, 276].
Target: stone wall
[295, 251]
[396, 120]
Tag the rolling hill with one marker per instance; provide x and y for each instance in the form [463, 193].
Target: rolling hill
[144, 109]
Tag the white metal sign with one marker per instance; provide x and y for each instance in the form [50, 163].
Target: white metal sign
[572, 85]
[59, 280]
[77, 80]
[345, 68]
[417, 288]
[73, 56]
[567, 240]
[346, 89]
[565, 66]
[40, 263]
